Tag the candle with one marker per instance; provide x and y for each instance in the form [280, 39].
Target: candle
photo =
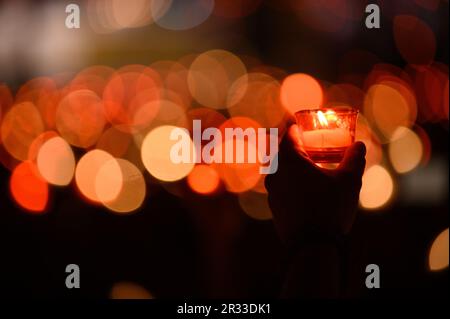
[323, 138]
[326, 133]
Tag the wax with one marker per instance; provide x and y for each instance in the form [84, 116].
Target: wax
[327, 138]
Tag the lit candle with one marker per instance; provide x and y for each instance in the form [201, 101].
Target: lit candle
[325, 134]
[323, 138]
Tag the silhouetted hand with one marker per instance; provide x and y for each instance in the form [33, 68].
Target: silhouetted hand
[307, 200]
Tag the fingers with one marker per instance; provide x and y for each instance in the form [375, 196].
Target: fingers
[354, 160]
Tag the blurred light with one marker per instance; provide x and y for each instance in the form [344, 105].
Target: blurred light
[130, 91]
[20, 127]
[174, 78]
[80, 118]
[405, 150]
[86, 172]
[129, 290]
[38, 142]
[203, 179]
[107, 16]
[239, 177]
[56, 162]
[120, 186]
[181, 15]
[255, 205]
[43, 93]
[211, 75]
[209, 117]
[414, 39]
[301, 91]
[155, 154]
[114, 142]
[427, 185]
[387, 106]
[28, 188]
[256, 96]
[438, 256]
[92, 78]
[377, 187]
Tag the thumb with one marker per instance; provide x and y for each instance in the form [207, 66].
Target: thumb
[354, 160]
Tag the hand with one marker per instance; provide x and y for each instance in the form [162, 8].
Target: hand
[306, 199]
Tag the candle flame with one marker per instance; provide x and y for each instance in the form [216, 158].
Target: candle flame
[322, 119]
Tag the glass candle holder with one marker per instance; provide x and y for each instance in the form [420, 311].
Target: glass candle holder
[326, 133]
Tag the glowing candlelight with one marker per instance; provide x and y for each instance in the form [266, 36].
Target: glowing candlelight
[326, 133]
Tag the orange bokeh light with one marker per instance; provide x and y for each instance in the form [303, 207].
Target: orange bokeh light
[86, 172]
[20, 127]
[377, 187]
[438, 255]
[301, 91]
[203, 179]
[56, 162]
[80, 118]
[28, 188]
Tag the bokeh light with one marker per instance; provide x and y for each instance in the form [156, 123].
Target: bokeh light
[155, 154]
[80, 118]
[181, 15]
[20, 127]
[256, 96]
[203, 179]
[129, 290]
[438, 255]
[301, 91]
[115, 142]
[211, 75]
[131, 90]
[387, 107]
[86, 173]
[28, 188]
[120, 186]
[56, 162]
[406, 150]
[377, 187]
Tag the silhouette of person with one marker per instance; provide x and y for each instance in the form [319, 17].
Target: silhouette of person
[312, 209]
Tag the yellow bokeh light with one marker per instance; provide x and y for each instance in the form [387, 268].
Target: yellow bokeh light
[377, 187]
[86, 173]
[406, 150]
[438, 256]
[388, 106]
[155, 154]
[120, 186]
[56, 162]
